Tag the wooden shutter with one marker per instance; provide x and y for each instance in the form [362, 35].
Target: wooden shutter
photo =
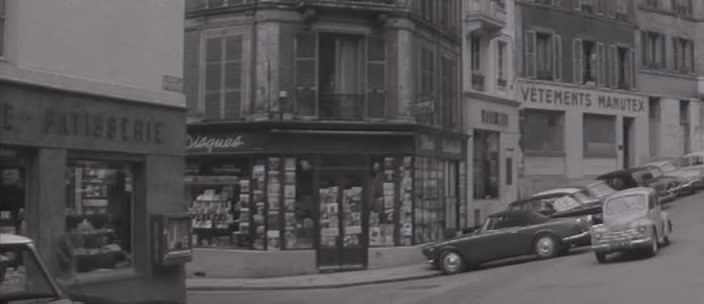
[645, 48]
[213, 78]
[662, 56]
[530, 54]
[577, 5]
[376, 77]
[628, 70]
[600, 65]
[306, 48]
[634, 70]
[613, 71]
[692, 65]
[232, 107]
[557, 57]
[676, 48]
[578, 61]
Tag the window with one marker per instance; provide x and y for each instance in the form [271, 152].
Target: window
[223, 77]
[429, 206]
[621, 7]
[624, 74]
[2, 28]
[683, 55]
[652, 3]
[545, 55]
[653, 50]
[509, 167]
[585, 5]
[599, 135]
[486, 164]
[448, 95]
[476, 55]
[340, 66]
[542, 56]
[99, 204]
[501, 64]
[684, 111]
[543, 131]
[427, 81]
[682, 7]
[684, 126]
[427, 9]
[589, 62]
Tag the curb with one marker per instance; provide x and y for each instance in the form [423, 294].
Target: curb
[323, 286]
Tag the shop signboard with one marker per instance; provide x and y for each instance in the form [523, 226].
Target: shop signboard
[172, 243]
[216, 143]
[494, 118]
[423, 105]
[535, 95]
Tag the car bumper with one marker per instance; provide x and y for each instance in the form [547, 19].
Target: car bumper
[580, 239]
[623, 245]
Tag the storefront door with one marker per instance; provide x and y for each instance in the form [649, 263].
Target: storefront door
[342, 244]
[12, 187]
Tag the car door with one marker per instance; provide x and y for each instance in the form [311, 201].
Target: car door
[655, 214]
[495, 242]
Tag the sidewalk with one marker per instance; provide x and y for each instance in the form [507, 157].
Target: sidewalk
[316, 281]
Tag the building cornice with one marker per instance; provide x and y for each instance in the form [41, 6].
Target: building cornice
[492, 98]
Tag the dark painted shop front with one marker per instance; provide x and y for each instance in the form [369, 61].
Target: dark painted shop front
[83, 176]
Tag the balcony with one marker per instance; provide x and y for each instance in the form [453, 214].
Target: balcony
[485, 17]
[340, 107]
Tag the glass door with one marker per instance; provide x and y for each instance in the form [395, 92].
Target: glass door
[342, 242]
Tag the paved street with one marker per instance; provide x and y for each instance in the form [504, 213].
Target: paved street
[676, 275]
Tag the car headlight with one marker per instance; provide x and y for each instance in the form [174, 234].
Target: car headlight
[598, 235]
[642, 229]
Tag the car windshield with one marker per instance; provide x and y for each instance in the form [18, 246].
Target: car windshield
[21, 277]
[625, 205]
[601, 190]
[667, 167]
[582, 196]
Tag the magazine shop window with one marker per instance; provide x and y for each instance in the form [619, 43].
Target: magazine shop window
[99, 204]
[299, 204]
[429, 207]
[382, 215]
[217, 192]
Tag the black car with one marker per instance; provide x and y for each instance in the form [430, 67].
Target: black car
[560, 205]
[508, 234]
[646, 176]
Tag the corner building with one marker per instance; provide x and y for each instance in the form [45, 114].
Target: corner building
[91, 143]
[581, 114]
[323, 135]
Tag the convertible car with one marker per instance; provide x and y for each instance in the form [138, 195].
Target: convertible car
[509, 234]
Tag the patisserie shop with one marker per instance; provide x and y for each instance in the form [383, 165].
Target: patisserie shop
[282, 198]
[84, 176]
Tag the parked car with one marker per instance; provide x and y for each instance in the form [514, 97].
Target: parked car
[693, 162]
[17, 255]
[560, 203]
[689, 180]
[633, 220]
[647, 176]
[508, 234]
[589, 191]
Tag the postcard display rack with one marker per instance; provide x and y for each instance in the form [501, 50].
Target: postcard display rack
[428, 210]
[406, 193]
[213, 212]
[351, 210]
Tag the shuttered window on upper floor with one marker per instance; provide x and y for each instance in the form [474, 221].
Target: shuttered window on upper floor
[223, 77]
[543, 56]
[2, 28]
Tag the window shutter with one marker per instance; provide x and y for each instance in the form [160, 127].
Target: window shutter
[577, 5]
[634, 70]
[599, 7]
[557, 57]
[213, 78]
[676, 48]
[306, 73]
[577, 55]
[613, 71]
[644, 47]
[530, 57]
[232, 107]
[662, 56]
[692, 65]
[601, 65]
[376, 77]
[628, 70]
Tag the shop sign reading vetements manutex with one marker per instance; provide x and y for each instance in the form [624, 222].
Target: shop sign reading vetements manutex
[565, 97]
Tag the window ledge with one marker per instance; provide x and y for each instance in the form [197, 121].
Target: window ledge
[545, 153]
[600, 155]
[668, 73]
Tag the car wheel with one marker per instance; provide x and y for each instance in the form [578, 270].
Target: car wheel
[600, 257]
[451, 262]
[546, 246]
[653, 248]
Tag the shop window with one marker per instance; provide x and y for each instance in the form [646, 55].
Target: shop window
[299, 204]
[543, 55]
[543, 131]
[382, 211]
[429, 208]
[12, 187]
[223, 81]
[653, 50]
[599, 135]
[219, 195]
[99, 204]
[486, 164]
